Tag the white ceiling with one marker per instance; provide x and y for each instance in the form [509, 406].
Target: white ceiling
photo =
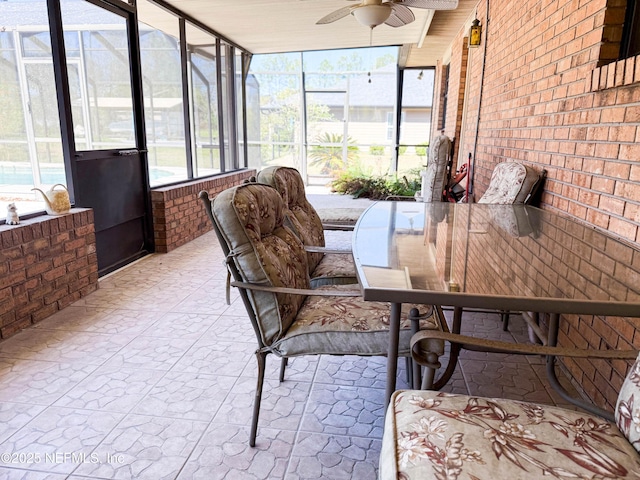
[269, 26]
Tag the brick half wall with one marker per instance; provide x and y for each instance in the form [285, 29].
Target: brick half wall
[178, 215]
[46, 263]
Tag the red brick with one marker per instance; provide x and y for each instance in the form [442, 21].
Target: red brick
[630, 152]
[624, 133]
[632, 114]
[617, 170]
[612, 205]
[601, 184]
[15, 327]
[623, 228]
[38, 268]
[607, 150]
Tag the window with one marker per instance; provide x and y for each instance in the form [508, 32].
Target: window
[445, 96]
[630, 43]
[30, 142]
[415, 118]
[162, 88]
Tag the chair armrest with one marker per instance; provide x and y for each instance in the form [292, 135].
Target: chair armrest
[337, 226]
[297, 291]
[496, 346]
[406, 198]
[314, 249]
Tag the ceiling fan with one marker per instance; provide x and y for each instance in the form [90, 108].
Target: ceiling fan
[394, 13]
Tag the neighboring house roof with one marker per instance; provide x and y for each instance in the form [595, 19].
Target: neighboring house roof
[417, 93]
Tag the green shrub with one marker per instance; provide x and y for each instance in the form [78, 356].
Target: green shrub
[402, 149]
[377, 150]
[421, 150]
[376, 187]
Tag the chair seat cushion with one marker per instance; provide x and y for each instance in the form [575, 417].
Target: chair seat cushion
[435, 435]
[510, 183]
[340, 216]
[347, 326]
[335, 265]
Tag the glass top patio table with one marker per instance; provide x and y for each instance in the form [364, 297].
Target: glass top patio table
[498, 257]
[511, 257]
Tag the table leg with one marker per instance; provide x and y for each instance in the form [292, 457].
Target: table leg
[392, 354]
[453, 353]
[552, 341]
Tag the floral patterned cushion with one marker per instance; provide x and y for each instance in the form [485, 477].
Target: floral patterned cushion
[345, 325]
[338, 216]
[434, 177]
[251, 219]
[335, 265]
[510, 183]
[627, 412]
[435, 435]
[304, 219]
[306, 222]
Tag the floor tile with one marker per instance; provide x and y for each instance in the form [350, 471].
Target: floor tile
[340, 410]
[14, 416]
[515, 381]
[353, 371]
[60, 439]
[180, 325]
[317, 456]
[282, 404]
[111, 389]
[144, 447]
[224, 453]
[99, 320]
[301, 369]
[232, 328]
[17, 474]
[151, 353]
[208, 355]
[38, 383]
[192, 396]
[62, 346]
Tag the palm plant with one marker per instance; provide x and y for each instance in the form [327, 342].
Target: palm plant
[328, 152]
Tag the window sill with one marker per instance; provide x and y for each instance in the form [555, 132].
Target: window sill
[615, 74]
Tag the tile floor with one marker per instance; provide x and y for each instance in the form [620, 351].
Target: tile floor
[152, 377]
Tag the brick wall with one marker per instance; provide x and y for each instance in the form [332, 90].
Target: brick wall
[550, 99]
[178, 215]
[46, 263]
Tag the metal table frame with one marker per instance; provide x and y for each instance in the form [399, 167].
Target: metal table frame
[460, 300]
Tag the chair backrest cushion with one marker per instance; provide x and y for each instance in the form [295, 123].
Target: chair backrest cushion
[434, 178]
[627, 412]
[250, 219]
[304, 218]
[511, 183]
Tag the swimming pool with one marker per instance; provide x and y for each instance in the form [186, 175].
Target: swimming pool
[21, 174]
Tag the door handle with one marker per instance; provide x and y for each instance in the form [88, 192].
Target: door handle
[124, 153]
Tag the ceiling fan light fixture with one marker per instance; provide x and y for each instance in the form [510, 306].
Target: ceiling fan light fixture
[372, 15]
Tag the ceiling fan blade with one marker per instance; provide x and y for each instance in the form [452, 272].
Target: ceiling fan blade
[429, 4]
[334, 16]
[400, 16]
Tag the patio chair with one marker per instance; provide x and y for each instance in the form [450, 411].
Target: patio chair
[513, 183]
[325, 265]
[434, 178]
[435, 435]
[269, 266]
